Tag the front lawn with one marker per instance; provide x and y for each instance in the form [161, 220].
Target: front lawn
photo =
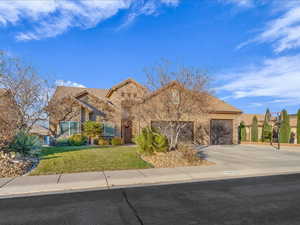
[57, 160]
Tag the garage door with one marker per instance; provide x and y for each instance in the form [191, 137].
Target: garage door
[186, 134]
[221, 132]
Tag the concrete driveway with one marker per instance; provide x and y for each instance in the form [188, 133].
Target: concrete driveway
[240, 157]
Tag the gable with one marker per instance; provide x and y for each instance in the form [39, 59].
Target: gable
[217, 105]
[126, 88]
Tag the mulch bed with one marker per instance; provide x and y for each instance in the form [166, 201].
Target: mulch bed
[176, 159]
[10, 167]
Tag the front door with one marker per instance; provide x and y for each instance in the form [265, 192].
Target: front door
[221, 132]
[127, 131]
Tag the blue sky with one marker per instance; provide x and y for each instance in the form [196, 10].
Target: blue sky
[250, 48]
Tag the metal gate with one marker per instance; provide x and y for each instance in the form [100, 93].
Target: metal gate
[221, 132]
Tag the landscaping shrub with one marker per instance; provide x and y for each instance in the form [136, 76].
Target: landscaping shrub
[189, 154]
[25, 144]
[266, 134]
[254, 129]
[102, 141]
[62, 142]
[77, 140]
[242, 132]
[161, 142]
[285, 129]
[145, 141]
[150, 141]
[92, 129]
[116, 141]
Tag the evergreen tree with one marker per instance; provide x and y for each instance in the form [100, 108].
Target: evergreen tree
[298, 127]
[285, 129]
[266, 134]
[254, 129]
[243, 133]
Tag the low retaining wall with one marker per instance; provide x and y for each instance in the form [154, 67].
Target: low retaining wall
[268, 143]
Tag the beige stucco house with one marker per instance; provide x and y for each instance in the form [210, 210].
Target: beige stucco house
[114, 108]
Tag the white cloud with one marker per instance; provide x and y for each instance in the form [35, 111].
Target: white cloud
[52, 17]
[278, 78]
[284, 30]
[243, 3]
[68, 83]
[170, 2]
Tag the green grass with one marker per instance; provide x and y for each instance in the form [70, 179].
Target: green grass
[55, 160]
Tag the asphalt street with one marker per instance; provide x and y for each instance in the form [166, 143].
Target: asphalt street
[273, 200]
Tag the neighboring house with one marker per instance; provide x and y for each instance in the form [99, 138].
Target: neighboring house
[113, 107]
[247, 119]
[42, 133]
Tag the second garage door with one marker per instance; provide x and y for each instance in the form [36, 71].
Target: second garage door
[221, 132]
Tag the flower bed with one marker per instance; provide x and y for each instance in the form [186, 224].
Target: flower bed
[181, 157]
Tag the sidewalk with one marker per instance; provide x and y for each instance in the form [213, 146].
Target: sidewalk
[35, 185]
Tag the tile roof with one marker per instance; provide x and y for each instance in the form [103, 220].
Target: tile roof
[63, 91]
[222, 106]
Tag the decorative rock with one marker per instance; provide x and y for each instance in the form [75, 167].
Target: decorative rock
[10, 167]
[176, 158]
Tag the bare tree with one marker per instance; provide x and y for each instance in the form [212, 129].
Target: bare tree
[27, 91]
[177, 97]
[58, 110]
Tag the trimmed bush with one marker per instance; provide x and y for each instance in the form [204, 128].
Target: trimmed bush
[92, 129]
[285, 129]
[62, 142]
[116, 141]
[25, 144]
[77, 140]
[102, 141]
[254, 129]
[242, 132]
[161, 143]
[298, 127]
[150, 141]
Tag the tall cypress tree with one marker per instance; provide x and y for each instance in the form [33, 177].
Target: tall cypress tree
[254, 129]
[266, 134]
[243, 133]
[285, 129]
[298, 127]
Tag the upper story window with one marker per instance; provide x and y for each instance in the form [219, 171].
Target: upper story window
[69, 128]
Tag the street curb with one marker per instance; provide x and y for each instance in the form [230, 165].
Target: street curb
[112, 187]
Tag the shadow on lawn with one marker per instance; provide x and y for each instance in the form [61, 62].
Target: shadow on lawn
[48, 151]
